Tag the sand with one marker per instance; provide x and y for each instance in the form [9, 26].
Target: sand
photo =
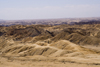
[4, 62]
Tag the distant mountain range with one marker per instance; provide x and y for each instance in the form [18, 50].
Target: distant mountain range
[51, 21]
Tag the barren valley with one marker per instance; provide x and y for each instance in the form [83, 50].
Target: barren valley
[62, 45]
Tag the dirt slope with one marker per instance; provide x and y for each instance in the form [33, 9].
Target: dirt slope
[61, 43]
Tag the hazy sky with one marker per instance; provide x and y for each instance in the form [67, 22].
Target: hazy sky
[48, 9]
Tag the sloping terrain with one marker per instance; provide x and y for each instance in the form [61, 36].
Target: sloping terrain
[60, 48]
[61, 43]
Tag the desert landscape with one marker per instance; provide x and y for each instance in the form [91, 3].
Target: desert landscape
[49, 33]
[64, 45]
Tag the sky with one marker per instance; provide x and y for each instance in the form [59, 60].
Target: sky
[48, 9]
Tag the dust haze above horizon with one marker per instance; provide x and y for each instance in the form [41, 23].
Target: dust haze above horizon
[48, 9]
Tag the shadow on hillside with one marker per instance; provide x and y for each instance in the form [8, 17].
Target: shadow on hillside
[1, 33]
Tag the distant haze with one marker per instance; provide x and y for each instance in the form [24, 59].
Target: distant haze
[48, 9]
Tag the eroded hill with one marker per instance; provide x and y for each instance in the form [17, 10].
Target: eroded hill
[63, 43]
